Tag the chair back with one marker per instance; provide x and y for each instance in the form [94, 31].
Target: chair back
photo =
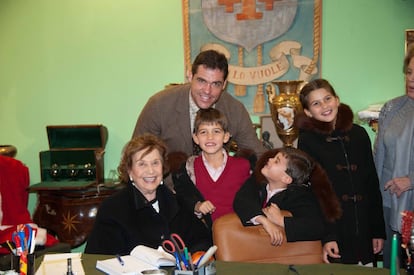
[14, 181]
[238, 243]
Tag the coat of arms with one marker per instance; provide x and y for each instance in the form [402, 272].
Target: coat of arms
[264, 40]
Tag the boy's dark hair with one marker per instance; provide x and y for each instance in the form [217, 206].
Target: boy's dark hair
[211, 59]
[210, 116]
[299, 165]
[314, 173]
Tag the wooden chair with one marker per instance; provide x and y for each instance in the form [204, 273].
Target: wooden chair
[238, 243]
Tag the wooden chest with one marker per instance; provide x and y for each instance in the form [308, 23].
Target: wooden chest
[72, 181]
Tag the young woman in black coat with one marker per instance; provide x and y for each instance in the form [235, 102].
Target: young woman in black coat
[328, 134]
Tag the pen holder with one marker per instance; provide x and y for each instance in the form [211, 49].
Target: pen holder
[208, 269]
[17, 265]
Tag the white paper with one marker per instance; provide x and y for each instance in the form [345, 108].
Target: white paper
[132, 266]
[58, 264]
[141, 258]
[156, 257]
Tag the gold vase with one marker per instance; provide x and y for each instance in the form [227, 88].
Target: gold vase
[284, 104]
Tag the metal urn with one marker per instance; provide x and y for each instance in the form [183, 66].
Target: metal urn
[284, 104]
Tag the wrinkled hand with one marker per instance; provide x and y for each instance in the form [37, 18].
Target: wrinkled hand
[398, 185]
[377, 244]
[274, 214]
[205, 207]
[330, 249]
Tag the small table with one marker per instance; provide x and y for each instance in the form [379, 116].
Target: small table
[70, 213]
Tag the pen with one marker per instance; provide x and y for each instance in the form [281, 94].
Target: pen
[33, 241]
[120, 260]
[10, 246]
[69, 270]
[191, 261]
[187, 258]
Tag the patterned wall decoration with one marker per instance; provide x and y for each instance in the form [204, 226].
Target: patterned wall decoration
[264, 41]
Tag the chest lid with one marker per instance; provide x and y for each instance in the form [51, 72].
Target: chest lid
[87, 136]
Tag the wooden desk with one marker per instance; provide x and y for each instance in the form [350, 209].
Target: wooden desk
[224, 268]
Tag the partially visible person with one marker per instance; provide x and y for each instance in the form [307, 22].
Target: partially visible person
[394, 155]
[170, 114]
[207, 184]
[287, 179]
[145, 212]
[14, 198]
[327, 133]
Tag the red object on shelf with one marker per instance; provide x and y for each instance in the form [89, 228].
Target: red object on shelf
[406, 227]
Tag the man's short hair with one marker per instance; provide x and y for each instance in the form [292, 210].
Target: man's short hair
[211, 59]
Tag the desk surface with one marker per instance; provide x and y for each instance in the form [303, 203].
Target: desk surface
[89, 262]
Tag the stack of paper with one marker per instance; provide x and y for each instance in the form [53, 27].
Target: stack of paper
[58, 264]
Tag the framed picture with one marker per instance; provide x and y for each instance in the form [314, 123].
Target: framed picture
[263, 41]
[268, 135]
[409, 39]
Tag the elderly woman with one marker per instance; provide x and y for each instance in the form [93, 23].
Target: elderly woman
[145, 212]
[394, 155]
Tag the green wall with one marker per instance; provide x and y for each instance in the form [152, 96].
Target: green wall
[98, 61]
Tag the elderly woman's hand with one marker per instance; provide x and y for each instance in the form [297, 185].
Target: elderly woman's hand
[398, 185]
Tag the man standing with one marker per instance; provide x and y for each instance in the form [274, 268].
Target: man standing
[170, 113]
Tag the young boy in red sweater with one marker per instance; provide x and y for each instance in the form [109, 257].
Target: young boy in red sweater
[208, 182]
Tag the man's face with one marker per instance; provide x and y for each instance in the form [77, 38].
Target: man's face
[206, 86]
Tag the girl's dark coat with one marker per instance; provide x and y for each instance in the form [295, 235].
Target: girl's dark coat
[346, 155]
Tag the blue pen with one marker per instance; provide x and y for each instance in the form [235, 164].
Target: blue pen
[120, 260]
[177, 260]
[29, 236]
[23, 241]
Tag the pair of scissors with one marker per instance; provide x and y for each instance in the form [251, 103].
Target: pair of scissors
[176, 246]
